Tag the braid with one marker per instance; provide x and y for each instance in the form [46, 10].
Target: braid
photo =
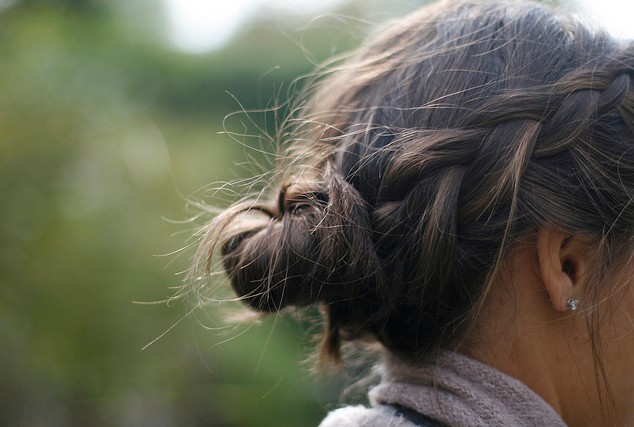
[431, 152]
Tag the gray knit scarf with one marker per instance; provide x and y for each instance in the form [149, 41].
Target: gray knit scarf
[457, 391]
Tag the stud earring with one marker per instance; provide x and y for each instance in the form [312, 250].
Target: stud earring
[572, 304]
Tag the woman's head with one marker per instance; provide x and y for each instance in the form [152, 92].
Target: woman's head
[457, 134]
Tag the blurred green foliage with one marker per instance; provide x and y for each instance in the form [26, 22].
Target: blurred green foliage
[105, 133]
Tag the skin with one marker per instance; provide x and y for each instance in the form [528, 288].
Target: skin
[528, 331]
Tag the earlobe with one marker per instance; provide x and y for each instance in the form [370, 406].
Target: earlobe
[561, 265]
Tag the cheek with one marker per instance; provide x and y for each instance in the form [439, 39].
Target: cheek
[617, 334]
[623, 306]
[617, 307]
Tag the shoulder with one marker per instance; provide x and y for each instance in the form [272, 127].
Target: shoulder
[360, 416]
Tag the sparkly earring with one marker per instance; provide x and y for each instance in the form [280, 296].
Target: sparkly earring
[572, 304]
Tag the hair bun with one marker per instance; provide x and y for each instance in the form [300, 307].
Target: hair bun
[314, 248]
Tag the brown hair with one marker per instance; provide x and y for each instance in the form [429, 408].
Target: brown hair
[423, 158]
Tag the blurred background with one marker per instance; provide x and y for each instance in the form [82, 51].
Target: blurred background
[116, 118]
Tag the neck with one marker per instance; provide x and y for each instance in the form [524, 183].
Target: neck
[518, 333]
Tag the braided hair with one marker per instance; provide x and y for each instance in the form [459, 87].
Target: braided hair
[424, 158]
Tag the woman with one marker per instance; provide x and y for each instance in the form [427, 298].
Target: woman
[460, 192]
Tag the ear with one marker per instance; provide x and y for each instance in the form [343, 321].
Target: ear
[562, 264]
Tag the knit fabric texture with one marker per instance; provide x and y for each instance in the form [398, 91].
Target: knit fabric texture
[455, 390]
